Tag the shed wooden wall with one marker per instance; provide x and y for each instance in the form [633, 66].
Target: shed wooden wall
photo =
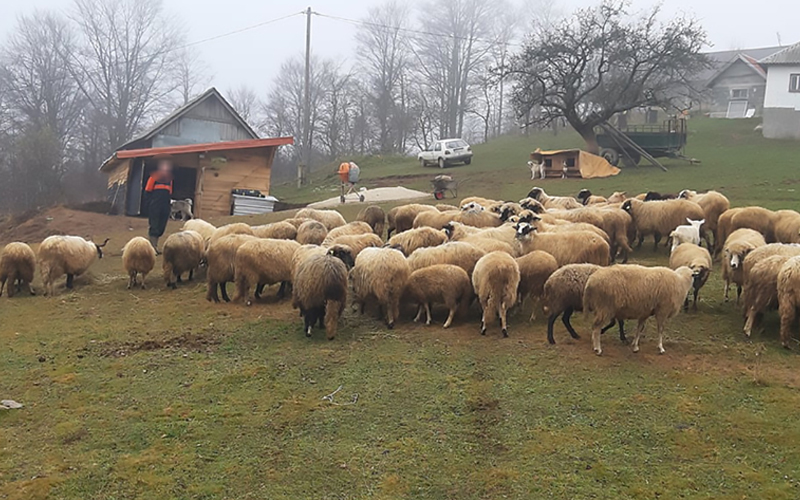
[246, 169]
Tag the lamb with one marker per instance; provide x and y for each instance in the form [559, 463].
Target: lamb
[375, 217]
[138, 257]
[660, 218]
[70, 255]
[761, 288]
[277, 231]
[263, 262]
[357, 242]
[319, 289]
[17, 267]
[353, 228]
[410, 240]
[311, 232]
[534, 270]
[220, 258]
[235, 228]
[587, 198]
[440, 283]
[496, 280]
[457, 253]
[330, 218]
[183, 252]
[557, 202]
[204, 228]
[578, 247]
[381, 274]
[756, 218]
[563, 295]
[696, 258]
[686, 234]
[738, 245]
[713, 204]
[400, 219]
[787, 226]
[635, 292]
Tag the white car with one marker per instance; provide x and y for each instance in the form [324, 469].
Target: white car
[446, 152]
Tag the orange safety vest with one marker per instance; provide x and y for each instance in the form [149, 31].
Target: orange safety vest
[155, 182]
[344, 170]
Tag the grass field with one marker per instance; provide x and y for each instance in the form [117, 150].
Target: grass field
[159, 394]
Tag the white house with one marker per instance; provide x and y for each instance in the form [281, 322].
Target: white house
[782, 96]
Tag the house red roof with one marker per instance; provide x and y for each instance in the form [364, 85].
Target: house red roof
[195, 148]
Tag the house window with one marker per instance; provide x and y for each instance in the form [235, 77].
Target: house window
[794, 83]
[739, 93]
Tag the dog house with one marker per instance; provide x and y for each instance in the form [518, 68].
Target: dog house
[573, 164]
[214, 152]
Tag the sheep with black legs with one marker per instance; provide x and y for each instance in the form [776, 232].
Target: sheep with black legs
[381, 274]
[563, 295]
[439, 284]
[660, 218]
[554, 202]
[183, 252]
[330, 218]
[635, 292]
[138, 257]
[696, 258]
[17, 267]
[457, 253]
[713, 204]
[220, 258]
[311, 232]
[70, 255]
[534, 270]
[319, 288]
[738, 245]
[261, 263]
[375, 217]
[205, 229]
[409, 241]
[496, 280]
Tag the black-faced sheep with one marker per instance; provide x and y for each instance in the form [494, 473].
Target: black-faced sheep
[534, 270]
[319, 289]
[311, 232]
[220, 258]
[587, 198]
[439, 284]
[401, 218]
[278, 231]
[457, 253]
[496, 280]
[375, 217]
[563, 295]
[262, 263]
[205, 229]
[578, 247]
[17, 267]
[183, 252]
[330, 218]
[70, 255]
[555, 202]
[738, 245]
[660, 218]
[410, 240]
[635, 292]
[713, 204]
[696, 258]
[228, 229]
[381, 274]
[138, 257]
[532, 205]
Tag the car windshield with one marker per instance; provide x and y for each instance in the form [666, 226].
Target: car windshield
[456, 144]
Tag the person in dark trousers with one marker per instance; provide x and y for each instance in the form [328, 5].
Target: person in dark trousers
[159, 192]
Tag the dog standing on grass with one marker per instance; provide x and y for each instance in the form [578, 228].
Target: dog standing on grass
[537, 170]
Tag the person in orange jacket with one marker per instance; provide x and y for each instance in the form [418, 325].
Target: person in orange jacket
[159, 192]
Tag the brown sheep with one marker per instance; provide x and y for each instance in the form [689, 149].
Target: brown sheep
[375, 217]
[183, 252]
[311, 232]
[320, 289]
[578, 247]
[496, 280]
[279, 231]
[401, 218]
[755, 218]
[660, 218]
[17, 267]
[441, 283]
[381, 274]
[263, 262]
[457, 253]
[357, 242]
[412, 239]
[534, 270]
[220, 259]
[138, 257]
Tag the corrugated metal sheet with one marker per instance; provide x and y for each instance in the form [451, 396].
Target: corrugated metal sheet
[250, 205]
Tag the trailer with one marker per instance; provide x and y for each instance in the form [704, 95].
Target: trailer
[630, 144]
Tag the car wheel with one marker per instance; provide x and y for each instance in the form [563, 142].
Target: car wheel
[611, 156]
[422, 163]
[442, 163]
[467, 161]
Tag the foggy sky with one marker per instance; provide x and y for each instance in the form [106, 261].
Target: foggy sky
[253, 57]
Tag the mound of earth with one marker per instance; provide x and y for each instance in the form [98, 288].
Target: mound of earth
[60, 220]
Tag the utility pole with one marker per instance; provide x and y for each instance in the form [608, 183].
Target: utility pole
[303, 166]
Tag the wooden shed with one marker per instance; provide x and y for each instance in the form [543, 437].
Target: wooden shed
[214, 152]
[573, 164]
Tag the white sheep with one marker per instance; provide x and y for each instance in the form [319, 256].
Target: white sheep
[696, 258]
[17, 267]
[381, 274]
[738, 245]
[263, 262]
[330, 218]
[496, 280]
[70, 255]
[183, 252]
[686, 234]
[557, 202]
[788, 297]
[138, 257]
[441, 283]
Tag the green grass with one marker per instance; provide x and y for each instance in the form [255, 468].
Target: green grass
[158, 394]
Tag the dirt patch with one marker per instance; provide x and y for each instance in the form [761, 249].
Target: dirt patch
[34, 227]
[195, 342]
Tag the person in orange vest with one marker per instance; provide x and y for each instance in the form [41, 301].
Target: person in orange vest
[159, 192]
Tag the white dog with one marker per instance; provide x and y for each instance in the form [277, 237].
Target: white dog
[181, 209]
[537, 169]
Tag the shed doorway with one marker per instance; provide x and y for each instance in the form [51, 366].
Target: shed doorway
[184, 184]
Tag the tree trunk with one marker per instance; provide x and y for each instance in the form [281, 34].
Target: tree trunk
[590, 137]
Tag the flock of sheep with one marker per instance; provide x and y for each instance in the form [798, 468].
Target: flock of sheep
[555, 250]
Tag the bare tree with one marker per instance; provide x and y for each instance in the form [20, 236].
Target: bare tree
[192, 74]
[245, 101]
[603, 61]
[129, 62]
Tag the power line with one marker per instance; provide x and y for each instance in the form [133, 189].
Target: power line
[240, 30]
